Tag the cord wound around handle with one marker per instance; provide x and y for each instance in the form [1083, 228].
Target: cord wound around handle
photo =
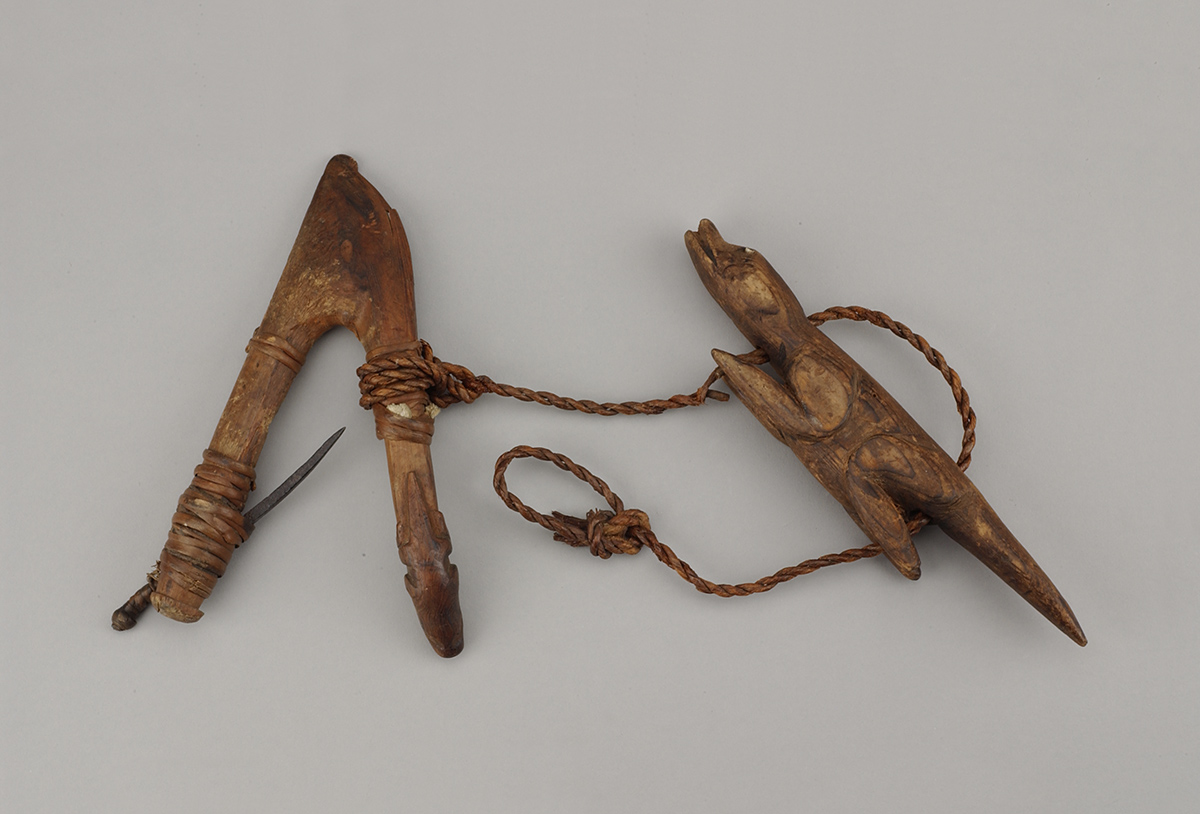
[205, 529]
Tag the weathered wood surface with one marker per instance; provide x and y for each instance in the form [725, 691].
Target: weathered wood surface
[851, 434]
[350, 266]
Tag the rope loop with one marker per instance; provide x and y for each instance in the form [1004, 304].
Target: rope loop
[627, 531]
[624, 531]
[604, 532]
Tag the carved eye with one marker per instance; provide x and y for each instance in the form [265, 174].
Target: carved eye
[758, 295]
[825, 390]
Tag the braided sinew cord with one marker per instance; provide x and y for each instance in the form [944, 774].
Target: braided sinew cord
[618, 530]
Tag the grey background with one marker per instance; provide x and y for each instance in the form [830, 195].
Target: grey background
[1020, 182]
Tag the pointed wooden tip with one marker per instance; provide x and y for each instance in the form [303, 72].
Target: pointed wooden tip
[975, 526]
[767, 399]
[893, 538]
[1064, 619]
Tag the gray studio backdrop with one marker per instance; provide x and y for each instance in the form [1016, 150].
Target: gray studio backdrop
[1019, 182]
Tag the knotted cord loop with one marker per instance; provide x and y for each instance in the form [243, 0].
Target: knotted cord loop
[603, 532]
[628, 531]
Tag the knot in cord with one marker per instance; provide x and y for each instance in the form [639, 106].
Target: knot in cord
[604, 532]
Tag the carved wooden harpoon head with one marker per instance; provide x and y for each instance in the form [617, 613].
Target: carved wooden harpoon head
[850, 433]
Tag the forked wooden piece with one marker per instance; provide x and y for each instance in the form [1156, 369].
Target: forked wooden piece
[350, 267]
[851, 434]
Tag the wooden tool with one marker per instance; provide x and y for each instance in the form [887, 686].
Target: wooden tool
[851, 434]
[350, 266]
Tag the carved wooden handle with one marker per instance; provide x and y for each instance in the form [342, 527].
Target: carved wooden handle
[350, 266]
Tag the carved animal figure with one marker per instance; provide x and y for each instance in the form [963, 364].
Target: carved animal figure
[851, 434]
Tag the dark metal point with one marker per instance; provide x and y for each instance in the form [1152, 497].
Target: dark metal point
[252, 516]
[126, 616]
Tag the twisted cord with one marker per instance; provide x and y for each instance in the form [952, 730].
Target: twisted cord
[392, 377]
[387, 379]
[626, 531]
[931, 354]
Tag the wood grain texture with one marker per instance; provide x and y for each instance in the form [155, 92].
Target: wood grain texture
[857, 440]
[350, 267]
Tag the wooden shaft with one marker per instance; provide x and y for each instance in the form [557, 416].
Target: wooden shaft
[194, 558]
